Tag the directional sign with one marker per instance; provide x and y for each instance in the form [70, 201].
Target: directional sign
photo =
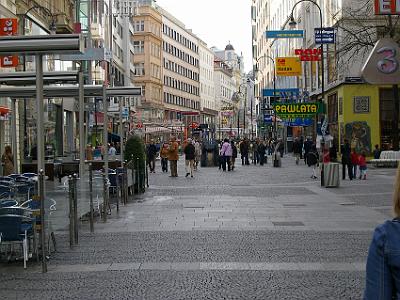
[8, 27]
[95, 54]
[280, 92]
[324, 36]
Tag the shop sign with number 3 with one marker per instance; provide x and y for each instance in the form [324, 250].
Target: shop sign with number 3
[383, 64]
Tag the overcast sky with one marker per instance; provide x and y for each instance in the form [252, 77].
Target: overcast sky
[216, 22]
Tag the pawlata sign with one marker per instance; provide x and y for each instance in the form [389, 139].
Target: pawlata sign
[297, 110]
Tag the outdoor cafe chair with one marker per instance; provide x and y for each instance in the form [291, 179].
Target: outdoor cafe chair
[13, 176]
[8, 203]
[6, 178]
[6, 192]
[29, 175]
[22, 179]
[16, 228]
[23, 191]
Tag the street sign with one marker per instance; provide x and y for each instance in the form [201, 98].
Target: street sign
[125, 112]
[387, 7]
[288, 66]
[383, 64]
[284, 34]
[94, 54]
[280, 92]
[324, 36]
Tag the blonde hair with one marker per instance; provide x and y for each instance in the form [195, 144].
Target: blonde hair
[396, 195]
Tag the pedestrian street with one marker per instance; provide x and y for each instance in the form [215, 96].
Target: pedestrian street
[254, 233]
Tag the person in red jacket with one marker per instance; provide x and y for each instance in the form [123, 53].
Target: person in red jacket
[354, 162]
[362, 162]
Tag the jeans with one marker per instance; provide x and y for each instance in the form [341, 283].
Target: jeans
[355, 167]
[164, 164]
[245, 159]
[152, 164]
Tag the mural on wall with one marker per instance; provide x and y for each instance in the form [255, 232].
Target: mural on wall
[359, 136]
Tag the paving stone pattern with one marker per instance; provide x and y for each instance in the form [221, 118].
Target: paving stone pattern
[255, 233]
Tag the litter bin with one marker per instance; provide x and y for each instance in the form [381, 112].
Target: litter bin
[209, 154]
[331, 175]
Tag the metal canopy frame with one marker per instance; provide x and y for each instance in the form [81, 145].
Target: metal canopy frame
[29, 78]
[69, 91]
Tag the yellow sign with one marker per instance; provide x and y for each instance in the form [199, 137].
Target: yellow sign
[288, 66]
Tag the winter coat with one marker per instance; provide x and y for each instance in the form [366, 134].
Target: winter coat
[173, 151]
[190, 152]
[151, 151]
[164, 152]
[244, 148]
[234, 151]
[297, 148]
[312, 158]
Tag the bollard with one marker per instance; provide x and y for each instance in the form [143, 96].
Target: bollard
[42, 221]
[139, 176]
[91, 215]
[117, 188]
[75, 180]
[126, 190]
[71, 210]
[105, 195]
[147, 178]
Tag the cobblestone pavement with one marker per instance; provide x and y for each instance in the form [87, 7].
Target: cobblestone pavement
[255, 233]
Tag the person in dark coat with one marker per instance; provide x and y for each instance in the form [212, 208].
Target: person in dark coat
[151, 156]
[244, 152]
[307, 147]
[190, 155]
[333, 152]
[261, 152]
[297, 150]
[313, 160]
[346, 160]
[234, 155]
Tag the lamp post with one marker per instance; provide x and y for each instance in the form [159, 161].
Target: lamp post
[293, 24]
[244, 106]
[257, 70]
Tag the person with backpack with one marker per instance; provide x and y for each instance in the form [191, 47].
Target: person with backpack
[313, 160]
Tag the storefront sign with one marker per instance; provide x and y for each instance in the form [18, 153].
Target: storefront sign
[387, 7]
[288, 66]
[284, 34]
[383, 64]
[8, 27]
[297, 110]
[280, 92]
[324, 36]
[309, 54]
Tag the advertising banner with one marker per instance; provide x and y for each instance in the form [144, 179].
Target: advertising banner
[8, 26]
[288, 66]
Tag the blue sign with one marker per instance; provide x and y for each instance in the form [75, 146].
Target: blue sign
[179, 115]
[280, 92]
[284, 34]
[268, 119]
[324, 36]
[299, 122]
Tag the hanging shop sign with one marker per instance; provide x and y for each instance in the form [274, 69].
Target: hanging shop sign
[284, 34]
[383, 64]
[281, 92]
[8, 27]
[297, 110]
[309, 54]
[387, 7]
[288, 66]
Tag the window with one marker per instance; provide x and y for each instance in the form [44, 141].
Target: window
[139, 69]
[138, 47]
[139, 26]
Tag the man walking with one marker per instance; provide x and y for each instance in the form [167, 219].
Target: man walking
[151, 156]
[297, 150]
[346, 160]
[190, 154]
[173, 157]
[244, 152]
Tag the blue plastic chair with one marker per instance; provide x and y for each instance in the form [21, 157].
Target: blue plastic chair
[29, 175]
[8, 203]
[6, 178]
[13, 176]
[6, 192]
[23, 190]
[22, 179]
[16, 229]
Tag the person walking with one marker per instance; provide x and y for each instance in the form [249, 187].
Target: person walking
[234, 155]
[197, 159]
[164, 157]
[297, 150]
[226, 155]
[261, 148]
[244, 152]
[377, 152]
[383, 265]
[362, 163]
[313, 160]
[346, 160]
[307, 148]
[354, 157]
[7, 160]
[190, 155]
[112, 152]
[151, 156]
[173, 157]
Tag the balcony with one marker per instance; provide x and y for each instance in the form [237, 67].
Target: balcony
[97, 31]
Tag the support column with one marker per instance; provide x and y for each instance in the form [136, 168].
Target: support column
[40, 113]
[14, 134]
[82, 141]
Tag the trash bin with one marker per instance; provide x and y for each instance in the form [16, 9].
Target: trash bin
[209, 154]
[331, 175]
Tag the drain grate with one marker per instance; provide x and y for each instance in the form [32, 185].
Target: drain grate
[288, 223]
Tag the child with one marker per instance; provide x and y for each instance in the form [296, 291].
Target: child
[354, 162]
[362, 162]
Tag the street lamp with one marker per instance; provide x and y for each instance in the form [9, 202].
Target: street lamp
[293, 24]
[245, 104]
[257, 70]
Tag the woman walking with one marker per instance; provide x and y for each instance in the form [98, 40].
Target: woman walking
[7, 160]
[383, 263]
[226, 155]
